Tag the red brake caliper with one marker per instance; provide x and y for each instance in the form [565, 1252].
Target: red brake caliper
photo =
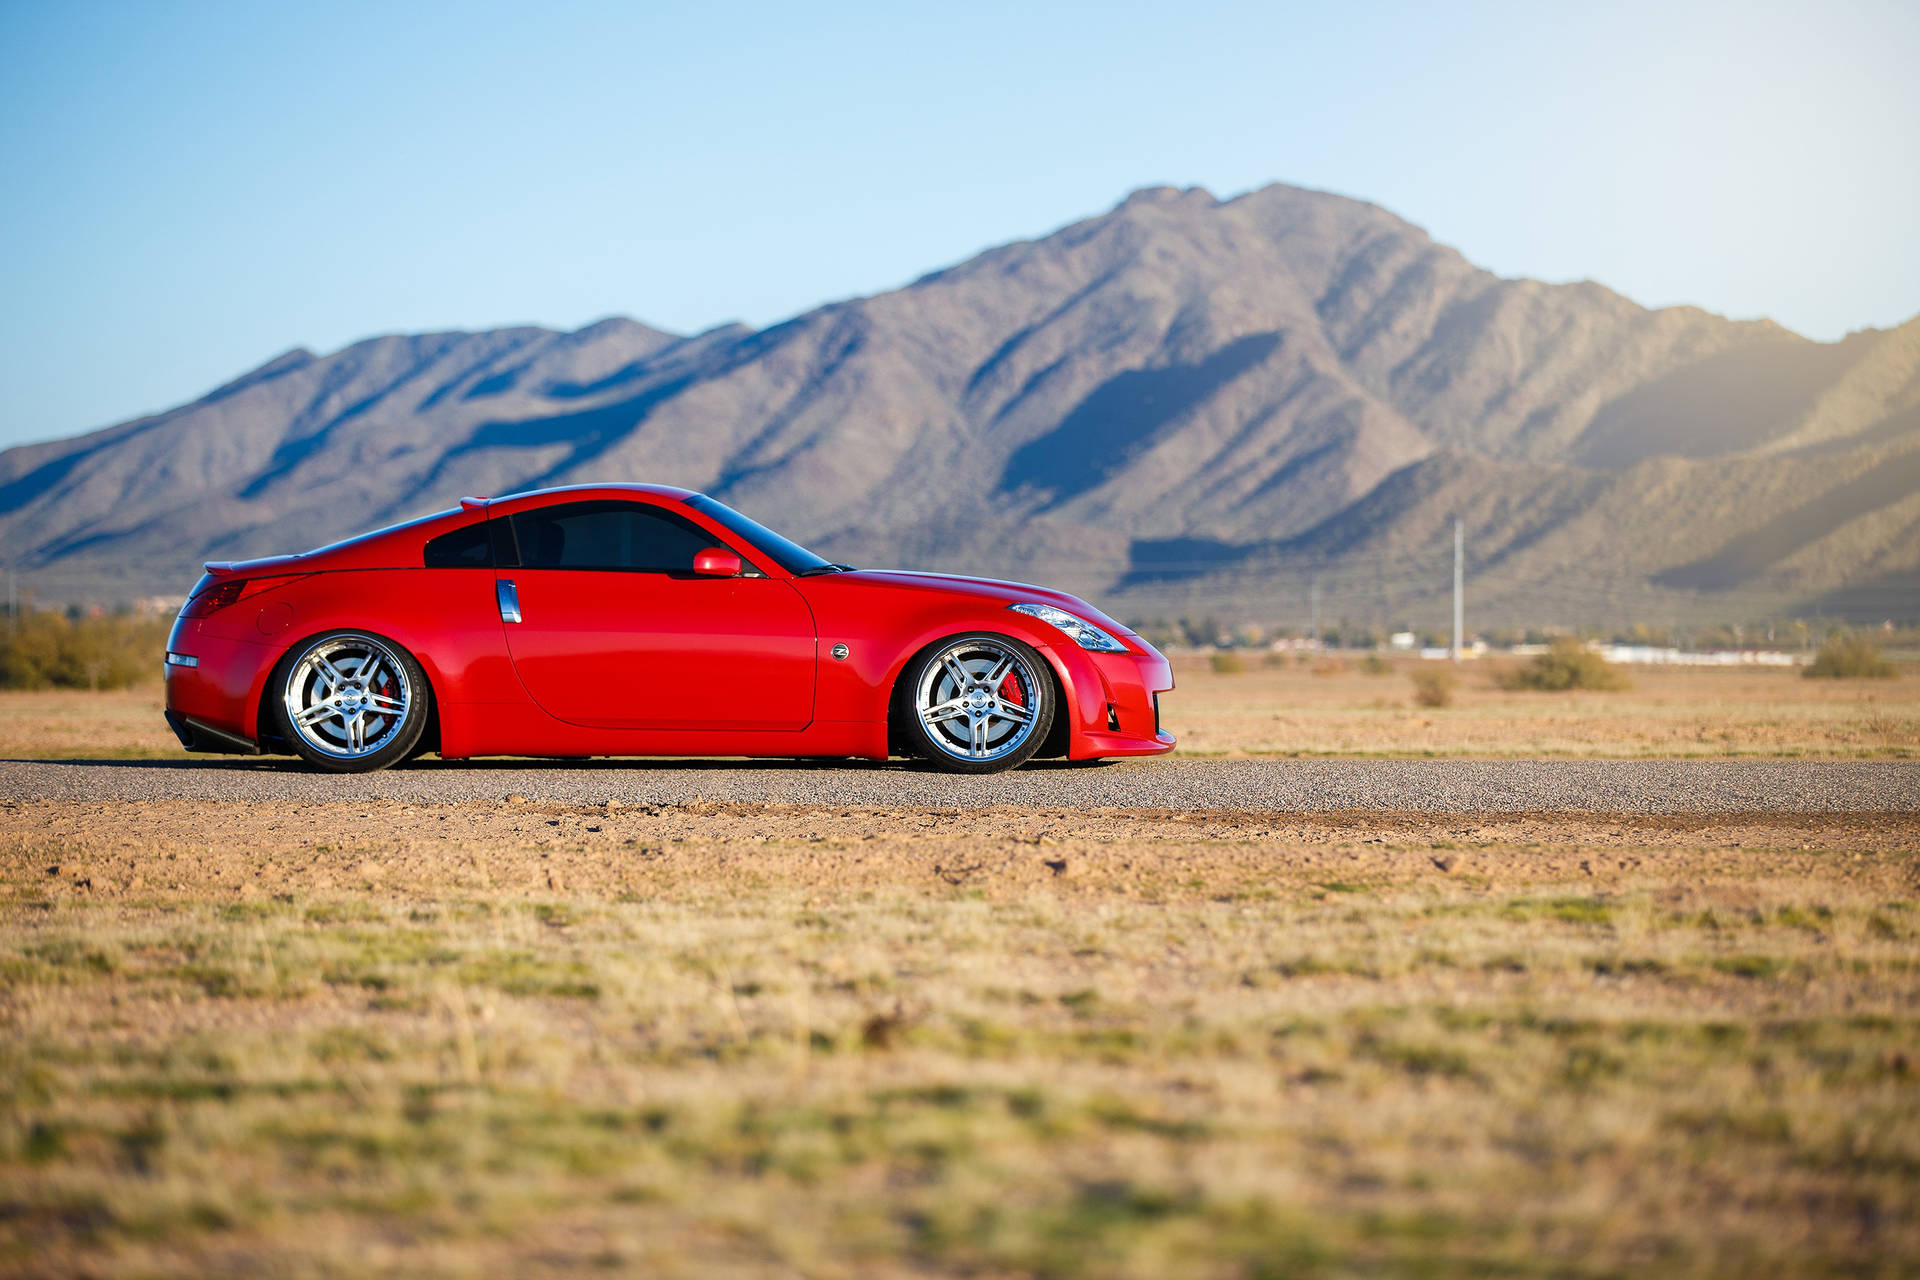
[1010, 691]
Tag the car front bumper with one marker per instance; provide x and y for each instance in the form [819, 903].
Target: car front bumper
[1115, 701]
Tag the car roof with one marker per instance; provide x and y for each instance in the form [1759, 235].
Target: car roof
[398, 546]
[577, 493]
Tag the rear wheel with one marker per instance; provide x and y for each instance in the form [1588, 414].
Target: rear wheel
[977, 704]
[351, 702]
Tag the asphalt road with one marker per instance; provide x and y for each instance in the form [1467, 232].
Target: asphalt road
[1438, 786]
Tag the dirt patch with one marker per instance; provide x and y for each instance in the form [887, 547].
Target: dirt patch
[533, 1039]
[395, 848]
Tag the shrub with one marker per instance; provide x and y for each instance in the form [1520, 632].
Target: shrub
[1375, 665]
[1849, 658]
[1567, 665]
[41, 650]
[1227, 663]
[1434, 686]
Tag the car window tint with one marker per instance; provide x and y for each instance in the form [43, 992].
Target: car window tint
[468, 547]
[608, 535]
[785, 552]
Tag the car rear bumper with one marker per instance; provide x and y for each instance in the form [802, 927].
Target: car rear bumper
[210, 705]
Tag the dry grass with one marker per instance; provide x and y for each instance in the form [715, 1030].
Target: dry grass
[1567, 666]
[1434, 686]
[1326, 708]
[75, 724]
[1850, 658]
[375, 1038]
[1292, 709]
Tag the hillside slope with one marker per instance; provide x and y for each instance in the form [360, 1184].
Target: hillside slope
[1141, 406]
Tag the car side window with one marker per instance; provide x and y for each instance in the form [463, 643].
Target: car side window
[468, 547]
[629, 536]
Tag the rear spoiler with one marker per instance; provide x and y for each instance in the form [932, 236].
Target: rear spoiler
[267, 566]
[302, 562]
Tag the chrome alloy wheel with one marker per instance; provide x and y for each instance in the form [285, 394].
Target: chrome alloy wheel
[977, 700]
[348, 696]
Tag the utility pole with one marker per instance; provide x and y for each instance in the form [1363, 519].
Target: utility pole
[1459, 575]
[1313, 596]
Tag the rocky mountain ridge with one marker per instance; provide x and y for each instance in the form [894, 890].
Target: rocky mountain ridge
[1179, 403]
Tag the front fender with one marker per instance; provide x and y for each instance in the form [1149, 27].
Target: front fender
[883, 630]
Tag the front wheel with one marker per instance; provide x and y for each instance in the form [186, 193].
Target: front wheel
[350, 702]
[977, 704]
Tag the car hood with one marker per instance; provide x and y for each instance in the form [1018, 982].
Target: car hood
[992, 589]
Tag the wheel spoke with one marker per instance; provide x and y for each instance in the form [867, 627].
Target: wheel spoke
[962, 678]
[1008, 711]
[998, 673]
[369, 672]
[324, 665]
[385, 703]
[319, 711]
[977, 735]
[945, 711]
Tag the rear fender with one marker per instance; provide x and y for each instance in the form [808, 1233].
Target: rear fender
[448, 619]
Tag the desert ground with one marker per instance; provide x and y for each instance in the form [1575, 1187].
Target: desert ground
[335, 1029]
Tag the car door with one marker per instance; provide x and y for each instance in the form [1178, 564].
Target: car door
[610, 627]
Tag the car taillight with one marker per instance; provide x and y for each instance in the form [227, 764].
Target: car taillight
[223, 592]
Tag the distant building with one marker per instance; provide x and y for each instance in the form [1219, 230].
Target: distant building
[1649, 655]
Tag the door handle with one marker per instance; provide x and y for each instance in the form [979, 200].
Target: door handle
[509, 600]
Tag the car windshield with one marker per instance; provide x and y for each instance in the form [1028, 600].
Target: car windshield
[785, 552]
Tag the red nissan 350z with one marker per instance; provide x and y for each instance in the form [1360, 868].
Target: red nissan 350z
[640, 620]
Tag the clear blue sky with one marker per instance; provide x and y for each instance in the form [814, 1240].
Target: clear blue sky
[189, 189]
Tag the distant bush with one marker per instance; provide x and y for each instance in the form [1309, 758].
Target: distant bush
[1227, 663]
[42, 650]
[1849, 658]
[1567, 665]
[1375, 665]
[1434, 686]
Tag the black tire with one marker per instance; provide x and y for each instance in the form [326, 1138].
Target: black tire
[929, 683]
[326, 744]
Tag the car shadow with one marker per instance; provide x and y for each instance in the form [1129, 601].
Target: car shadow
[516, 764]
[227, 765]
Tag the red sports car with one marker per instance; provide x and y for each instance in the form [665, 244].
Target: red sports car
[639, 620]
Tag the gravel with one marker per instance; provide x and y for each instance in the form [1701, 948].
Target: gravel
[1435, 786]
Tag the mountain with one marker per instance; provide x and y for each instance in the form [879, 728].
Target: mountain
[1179, 404]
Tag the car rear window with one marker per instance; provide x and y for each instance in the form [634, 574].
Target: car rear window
[468, 547]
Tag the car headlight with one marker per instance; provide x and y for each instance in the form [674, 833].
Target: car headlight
[1083, 633]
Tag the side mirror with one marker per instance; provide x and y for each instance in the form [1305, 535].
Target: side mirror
[716, 562]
